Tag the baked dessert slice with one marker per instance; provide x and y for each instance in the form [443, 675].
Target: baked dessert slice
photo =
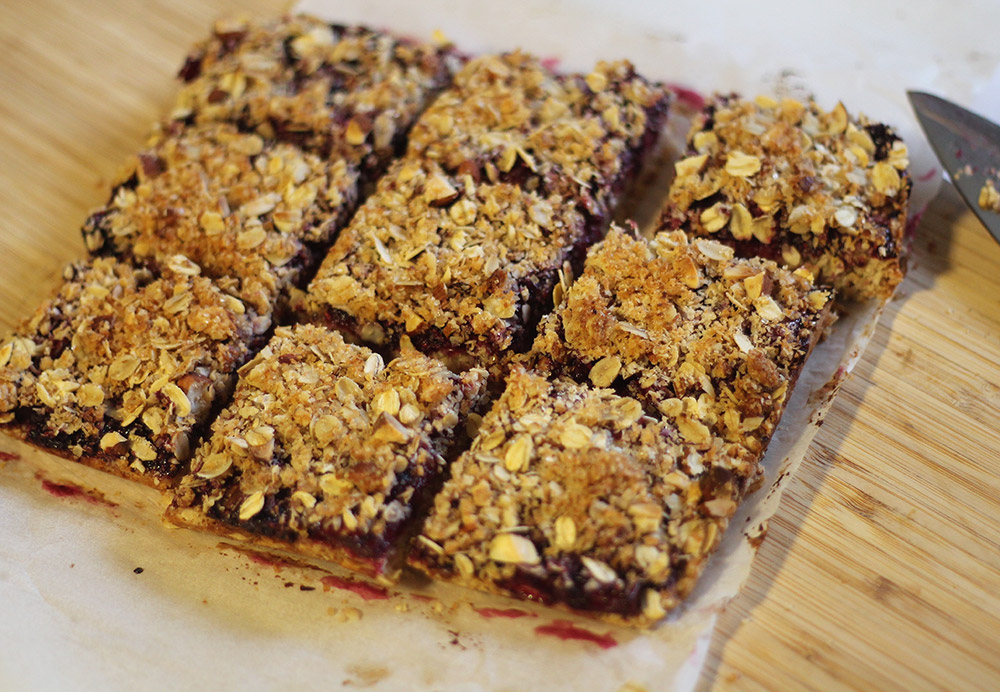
[569, 495]
[328, 452]
[237, 204]
[508, 118]
[712, 342]
[793, 183]
[120, 370]
[462, 269]
[343, 92]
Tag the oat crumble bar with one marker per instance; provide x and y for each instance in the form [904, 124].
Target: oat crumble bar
[120, 370]
[344, 92]
[712, 342]
[805, 187]
[508, 118]
[462, 269]
[569, 495]
[327, 451]
[235, 203]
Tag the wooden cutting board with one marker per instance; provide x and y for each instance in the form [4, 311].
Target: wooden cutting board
[882, 567]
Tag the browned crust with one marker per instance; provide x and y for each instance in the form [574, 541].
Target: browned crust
[791, 182]
[385, 569]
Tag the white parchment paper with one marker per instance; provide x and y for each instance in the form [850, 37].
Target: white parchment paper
[96, 594]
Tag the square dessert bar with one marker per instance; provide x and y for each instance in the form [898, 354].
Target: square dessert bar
[235, 203]
[327, 451]
[120, 370]
[508, 118]
[712, 342]
[805, 187]
[464, 270]
[345, 92]
[570, 495]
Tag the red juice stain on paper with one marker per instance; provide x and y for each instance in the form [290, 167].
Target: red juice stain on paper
[689, 97]
[928, 175]
[551, 63]
[368, 592]
[9, 456]
[504, 613]
[564, 629]
[70, 490]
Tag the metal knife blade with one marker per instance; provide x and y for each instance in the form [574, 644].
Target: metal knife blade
[968, 147]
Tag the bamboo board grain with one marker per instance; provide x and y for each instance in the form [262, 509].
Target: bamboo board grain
[881, 569]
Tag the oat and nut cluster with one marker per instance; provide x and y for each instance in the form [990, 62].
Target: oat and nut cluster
[794, 183]
[464, 371]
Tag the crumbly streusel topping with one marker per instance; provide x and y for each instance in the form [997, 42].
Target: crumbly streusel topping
[508, 117]
[348, 91]
[122, 368]
[710, 341]
[570, 494]
[794, 183]
[324, 440]
[437, 252]
[235, 203]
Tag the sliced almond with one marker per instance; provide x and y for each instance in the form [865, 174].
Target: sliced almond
[599, 570]
[518, 455]
[604, 371]
[740, 165]
[692, 165]
[768, 309]
[251, 506]
[111, 439]
[214, 465]
[565, 533]
[388, 429]
[576, 436]
[182, 405]
[754, 285]
[510, 547]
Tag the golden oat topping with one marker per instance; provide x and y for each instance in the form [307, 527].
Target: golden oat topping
[710, 341]
[433, 252]
[237, 204]
[325, 445]
[346, 91]
[570, 494]
[508, 117]
[794, 183]
[121, 369]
